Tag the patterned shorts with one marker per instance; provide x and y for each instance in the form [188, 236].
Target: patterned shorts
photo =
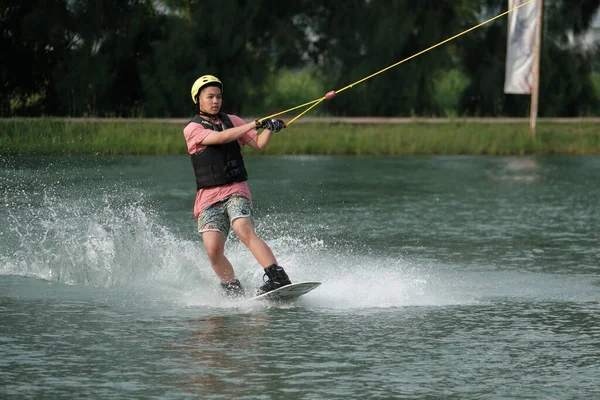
[220, 215]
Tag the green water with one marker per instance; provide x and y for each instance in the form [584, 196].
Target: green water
[443, 277]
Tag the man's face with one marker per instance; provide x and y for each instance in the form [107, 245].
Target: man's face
[210, 99]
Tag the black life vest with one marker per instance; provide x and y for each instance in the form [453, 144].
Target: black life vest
[218, 164]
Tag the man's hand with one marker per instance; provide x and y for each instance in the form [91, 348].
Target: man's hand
[274, 125]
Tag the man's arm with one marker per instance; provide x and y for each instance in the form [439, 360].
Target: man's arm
[260, 142]
[228, 135]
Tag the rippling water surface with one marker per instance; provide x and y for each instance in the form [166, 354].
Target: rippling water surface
[443, 277]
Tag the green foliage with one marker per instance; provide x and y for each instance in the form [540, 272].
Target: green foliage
[33, 41]
[170, 69]
[101, 75]
[369, 36]
[288, 88]
[567, 97]
[448, 87]
[595, 78]
[564, 70]
[139, 57]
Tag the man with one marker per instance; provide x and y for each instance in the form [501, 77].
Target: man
[223, 199]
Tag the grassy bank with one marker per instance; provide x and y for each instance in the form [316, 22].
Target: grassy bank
[50, 136]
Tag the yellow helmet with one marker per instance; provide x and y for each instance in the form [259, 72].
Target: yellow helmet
[204, 81]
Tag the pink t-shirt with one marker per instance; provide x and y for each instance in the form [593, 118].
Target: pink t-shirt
[194, 135]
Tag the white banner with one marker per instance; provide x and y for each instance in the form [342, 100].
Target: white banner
[520, 54]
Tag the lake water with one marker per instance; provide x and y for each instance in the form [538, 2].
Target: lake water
[443, 277]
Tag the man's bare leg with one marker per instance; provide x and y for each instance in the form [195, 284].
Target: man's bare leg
[214, 243]
[244, 229]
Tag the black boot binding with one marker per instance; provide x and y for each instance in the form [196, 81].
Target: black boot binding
[277, 278]
[233, 289]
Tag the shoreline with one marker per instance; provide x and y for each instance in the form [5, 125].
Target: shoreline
[361, 137]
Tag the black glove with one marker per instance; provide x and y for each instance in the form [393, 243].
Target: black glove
[274, 125]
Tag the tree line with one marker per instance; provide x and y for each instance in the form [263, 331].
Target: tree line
[134, 58]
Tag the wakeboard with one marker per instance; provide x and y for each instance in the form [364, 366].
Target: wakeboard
[288, 292]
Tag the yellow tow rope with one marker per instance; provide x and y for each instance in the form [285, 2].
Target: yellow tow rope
[331, 94]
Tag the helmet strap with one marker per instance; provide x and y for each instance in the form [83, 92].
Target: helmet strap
[214, 117]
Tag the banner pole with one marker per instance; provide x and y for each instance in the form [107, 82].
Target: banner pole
[536, 70]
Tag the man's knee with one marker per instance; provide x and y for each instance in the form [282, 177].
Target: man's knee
[244, 229]
[213, 253]
[214, 247]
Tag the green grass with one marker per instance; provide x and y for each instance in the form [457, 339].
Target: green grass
[55, 136]
[50, 136]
